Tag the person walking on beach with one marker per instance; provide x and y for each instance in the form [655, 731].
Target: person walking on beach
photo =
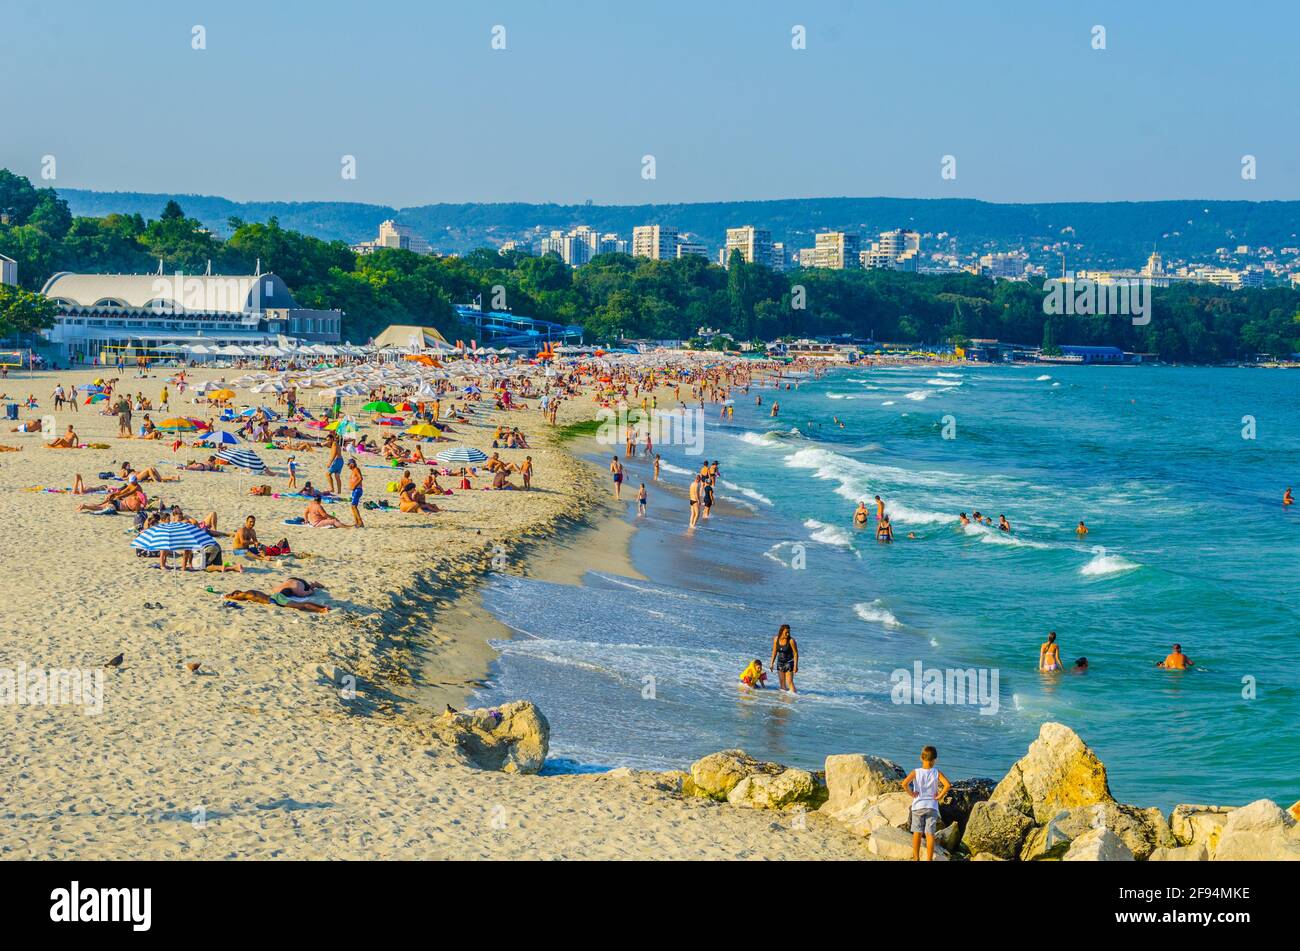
[785, 658]
[694, 495]
[656, 467]
[334, 473]
[124, 417]
[641, 501]
[616, 470]
[1049, 655]
[526, 471]
[927, 787]
[293, 472]
[355, 483]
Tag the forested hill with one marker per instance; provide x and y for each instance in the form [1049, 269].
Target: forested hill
[1111, 234]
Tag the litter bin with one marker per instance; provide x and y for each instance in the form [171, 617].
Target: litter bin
[11, 411]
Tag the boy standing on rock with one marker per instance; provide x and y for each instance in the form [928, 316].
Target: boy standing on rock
[926, 786]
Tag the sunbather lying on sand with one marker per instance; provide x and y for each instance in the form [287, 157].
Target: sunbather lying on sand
[278, 599]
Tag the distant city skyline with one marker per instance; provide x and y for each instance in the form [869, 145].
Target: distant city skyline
[583, 91]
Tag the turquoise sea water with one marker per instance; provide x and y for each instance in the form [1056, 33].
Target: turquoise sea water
[1189, 543]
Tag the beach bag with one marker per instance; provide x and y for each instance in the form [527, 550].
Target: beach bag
[393, 487]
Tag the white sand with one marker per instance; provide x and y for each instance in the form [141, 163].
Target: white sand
[280, 764]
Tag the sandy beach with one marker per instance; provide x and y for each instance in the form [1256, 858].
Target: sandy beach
[257, 755]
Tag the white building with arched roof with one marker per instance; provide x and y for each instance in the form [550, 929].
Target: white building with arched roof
[135, 314]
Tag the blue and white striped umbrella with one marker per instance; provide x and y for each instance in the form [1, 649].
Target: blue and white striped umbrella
[243, 458]
[173, 536]
[222, 438]
[462, 454]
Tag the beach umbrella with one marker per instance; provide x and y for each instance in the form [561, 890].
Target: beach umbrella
[461, 454]
[242, 458]
[90, 387]
[221, 395]
[424, 429]
[96, 398]
[222, 438]
[178, 424]
[472, 389]
[173, 536]
[378, 406]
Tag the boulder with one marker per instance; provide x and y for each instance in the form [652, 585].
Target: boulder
[512, 738]
[962, 797]
[717, 774]
[851, 777]
[997, 829]
[948, 837]
[1058, 772]
[1295, 810]
[1262, 831]
[890, 843]
[787, 788]
[867, 815]
[986, 857]
[1142, 830]
[1198, 824]
[1098, 845]
[1182, 853]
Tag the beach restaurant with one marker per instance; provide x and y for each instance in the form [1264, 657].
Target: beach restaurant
[112, 317]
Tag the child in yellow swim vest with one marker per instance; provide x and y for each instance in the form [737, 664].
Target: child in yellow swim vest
[753, 675]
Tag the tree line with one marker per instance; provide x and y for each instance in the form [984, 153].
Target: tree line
[616, 296]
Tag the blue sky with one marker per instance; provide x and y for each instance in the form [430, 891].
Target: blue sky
[712, 89]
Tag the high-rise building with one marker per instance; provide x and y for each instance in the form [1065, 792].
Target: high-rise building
[654, 241]
[838, 250]
[1008, 265]
[780, 260]
[576, 247]
[393, 235]
[552, 243]
[611, 243]
[897, 250]
[754, 245]
[686, 248]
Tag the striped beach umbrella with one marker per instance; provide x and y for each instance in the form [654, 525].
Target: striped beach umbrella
[242, 458]
[461, 455]
[222, 438]
[178, 424]
[173, 536]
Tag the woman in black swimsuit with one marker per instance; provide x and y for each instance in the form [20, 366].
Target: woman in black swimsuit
[785, 658]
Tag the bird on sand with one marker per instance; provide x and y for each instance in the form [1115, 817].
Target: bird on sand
[115, 662]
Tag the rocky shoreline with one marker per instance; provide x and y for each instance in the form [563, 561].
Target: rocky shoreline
[1054, 804]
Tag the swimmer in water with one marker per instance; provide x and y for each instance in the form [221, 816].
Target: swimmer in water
[880, 508]
[1176, 660]
[1082, 529]
[860, 515]
[1286, 497]
[884, 530]
[1049, 654]
[1080, 666]
[1003, 524]
[964, 519]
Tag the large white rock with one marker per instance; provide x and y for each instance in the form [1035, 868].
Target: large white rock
[851, 777]
[890, 843]
[1198, 824]
[996, 829]
[716, 775]
[867, 815]
[1098, 845]
[512, 738]
[1058, 772]
[764, 791]
[1142, 830]
[1261, 830]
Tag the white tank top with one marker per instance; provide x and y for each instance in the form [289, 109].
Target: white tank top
[925, 782]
